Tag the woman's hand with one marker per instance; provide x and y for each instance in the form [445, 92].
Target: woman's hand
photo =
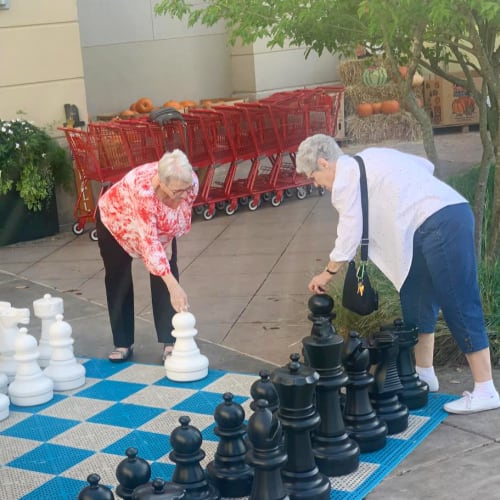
[319, 283]
[178, 297]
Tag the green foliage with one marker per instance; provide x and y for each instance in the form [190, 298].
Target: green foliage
[32, 163]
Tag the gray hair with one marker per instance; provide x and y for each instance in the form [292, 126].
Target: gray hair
[175, 165]
[312, 149]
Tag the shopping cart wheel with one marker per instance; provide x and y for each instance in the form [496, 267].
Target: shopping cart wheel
[243, 201]
[267, 196]
[309, 189]
[208, 214]
[301, 192]
[198, 210]
[220, 205]
[321, 190]
[93, 235]
[230, 210]
[253, 204]
[77, 229]
[288, 193]
[276, 200]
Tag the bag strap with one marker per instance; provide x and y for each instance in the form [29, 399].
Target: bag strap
[364, 207]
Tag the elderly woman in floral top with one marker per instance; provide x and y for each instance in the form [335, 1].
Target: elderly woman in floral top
[141, 216]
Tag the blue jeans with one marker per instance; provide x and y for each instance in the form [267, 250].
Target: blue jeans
[443, 274]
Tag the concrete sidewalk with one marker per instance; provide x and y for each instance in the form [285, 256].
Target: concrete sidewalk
[246, 277]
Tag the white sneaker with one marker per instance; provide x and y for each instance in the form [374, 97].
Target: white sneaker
[469, 404]
[432, 382]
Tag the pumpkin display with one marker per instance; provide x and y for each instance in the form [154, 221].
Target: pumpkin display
[377, 107]
[364, 109]
[390, 107]
[374, 76]
[144, 105]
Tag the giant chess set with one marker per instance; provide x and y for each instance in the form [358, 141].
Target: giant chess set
[331, 423]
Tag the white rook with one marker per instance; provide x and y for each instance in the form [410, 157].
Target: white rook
[185, 364]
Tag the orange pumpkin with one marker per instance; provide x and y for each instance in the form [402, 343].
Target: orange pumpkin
[364, 109]
[390, 107]
[188, 104]
[132, 107]
[127, 113]
[377, 107]
[144, 105]
[173, 104]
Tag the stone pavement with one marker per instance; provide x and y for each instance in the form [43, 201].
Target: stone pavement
[246, 277]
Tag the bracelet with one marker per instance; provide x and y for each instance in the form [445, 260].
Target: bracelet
[331, 273]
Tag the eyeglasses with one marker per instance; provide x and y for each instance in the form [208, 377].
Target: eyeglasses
[176, 193]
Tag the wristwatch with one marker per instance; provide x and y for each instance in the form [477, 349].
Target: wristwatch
[332, 273]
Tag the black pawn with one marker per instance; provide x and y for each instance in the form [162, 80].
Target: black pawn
[228, 470]
[158, 489]
[415, 392]
[264, 389]
[186, 442]
[360, 419]
[386, 386]
[131, 472]
[335, 453]
[296, 384]
[266, 454]
[95, 491]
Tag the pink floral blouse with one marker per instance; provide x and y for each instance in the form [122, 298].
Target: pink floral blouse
[140, 222]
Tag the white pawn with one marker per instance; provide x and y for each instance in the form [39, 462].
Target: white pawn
[46, 308]
[4, 407]
[4, 382]
[63, 369]
[185, 364]
[10, 318]
[30, 386]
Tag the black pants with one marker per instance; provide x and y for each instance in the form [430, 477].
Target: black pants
[120, 291]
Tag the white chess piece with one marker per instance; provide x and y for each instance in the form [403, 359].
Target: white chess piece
[63, 369]
[4, 406]
[30, 386]
[185, 364]
[46, 308]
[10, 318]
[4, 382]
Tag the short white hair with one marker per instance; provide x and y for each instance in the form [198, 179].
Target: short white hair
[312, 149]
[175, 165]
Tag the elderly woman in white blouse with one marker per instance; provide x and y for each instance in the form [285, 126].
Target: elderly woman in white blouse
[421, 236]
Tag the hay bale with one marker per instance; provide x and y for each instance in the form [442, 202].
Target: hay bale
[379, 127]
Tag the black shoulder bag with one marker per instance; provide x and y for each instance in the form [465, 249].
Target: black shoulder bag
[358, 295]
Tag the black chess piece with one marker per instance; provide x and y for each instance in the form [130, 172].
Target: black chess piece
[186, 442]
[384, 391]
[296, 384]
[266, 454]
[228, 470]
[264, 389]
[131, 472]
[95, 491]
[335, 452]
[415, 392]
[158, 489]
[360, 419]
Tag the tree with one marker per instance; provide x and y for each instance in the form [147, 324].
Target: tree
[427, 33]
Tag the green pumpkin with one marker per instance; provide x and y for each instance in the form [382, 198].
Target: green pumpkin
[373, 76]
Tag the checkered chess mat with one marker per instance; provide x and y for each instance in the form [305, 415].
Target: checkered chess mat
[47, 451]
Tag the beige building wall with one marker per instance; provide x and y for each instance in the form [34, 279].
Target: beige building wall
[40, 61]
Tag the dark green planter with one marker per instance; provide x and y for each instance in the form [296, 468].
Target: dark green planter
[17, 223]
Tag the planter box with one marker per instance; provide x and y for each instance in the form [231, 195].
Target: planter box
[17, 223]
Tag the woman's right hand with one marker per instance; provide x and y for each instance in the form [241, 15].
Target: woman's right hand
[178, 297]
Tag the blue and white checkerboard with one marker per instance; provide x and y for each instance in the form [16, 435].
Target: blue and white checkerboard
[47, 451]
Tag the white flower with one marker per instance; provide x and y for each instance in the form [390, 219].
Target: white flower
[4, 129]
[44, 155]
[17, 145]
[10, 132]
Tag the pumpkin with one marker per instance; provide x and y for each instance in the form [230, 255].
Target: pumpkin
[390, 107]
[374, 75]
[173, 104]
[188, 104]
[127, 113]
[377, 107]
[364, 109]
[144, 105]
[132, 107]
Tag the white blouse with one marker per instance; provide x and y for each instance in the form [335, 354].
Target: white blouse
[402, 194]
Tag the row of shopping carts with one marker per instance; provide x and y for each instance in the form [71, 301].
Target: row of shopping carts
[243, 153]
